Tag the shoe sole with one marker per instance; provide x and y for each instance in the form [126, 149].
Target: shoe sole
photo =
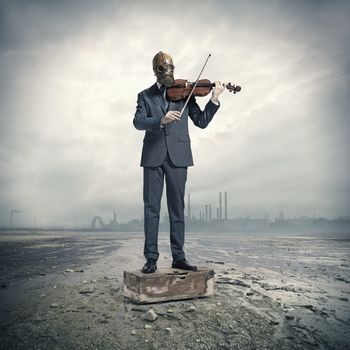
[149, 271]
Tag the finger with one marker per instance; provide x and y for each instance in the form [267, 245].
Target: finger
[176, 116]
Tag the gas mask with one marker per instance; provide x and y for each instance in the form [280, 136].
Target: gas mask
[163, 68]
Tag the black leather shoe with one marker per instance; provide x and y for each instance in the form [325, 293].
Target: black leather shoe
[183, 264]
[150, 266]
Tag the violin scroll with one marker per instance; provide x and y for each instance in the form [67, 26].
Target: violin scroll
[233, 88]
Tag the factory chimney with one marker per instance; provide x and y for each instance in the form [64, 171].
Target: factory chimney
[220, 206]
[114, 216]
[225, 205]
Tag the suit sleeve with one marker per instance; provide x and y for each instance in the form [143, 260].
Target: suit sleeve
[141, 120]
[201, 118]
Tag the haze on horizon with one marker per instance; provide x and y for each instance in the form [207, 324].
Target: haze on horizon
[71, 70]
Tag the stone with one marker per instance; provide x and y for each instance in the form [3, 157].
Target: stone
[87, 290]
[150, 315]
[168, 284]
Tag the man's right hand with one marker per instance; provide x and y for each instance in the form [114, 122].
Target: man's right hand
[170, 117]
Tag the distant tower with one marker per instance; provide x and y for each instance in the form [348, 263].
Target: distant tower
[209, 212]
[220, 206]
[13, 211]
[217, 213]
[206, 212]
[189, 206]
[114, 217]
[225, 205]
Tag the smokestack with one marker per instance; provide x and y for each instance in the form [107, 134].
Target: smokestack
[220, 206]
[206, 212]
[209, 212]
[225, 205]
[217, 213]
[189, 207]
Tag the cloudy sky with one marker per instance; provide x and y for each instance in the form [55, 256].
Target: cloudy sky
[70, 72]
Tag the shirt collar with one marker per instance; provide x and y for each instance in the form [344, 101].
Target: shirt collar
[159, 85]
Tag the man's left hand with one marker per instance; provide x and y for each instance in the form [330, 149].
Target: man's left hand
[218, 89]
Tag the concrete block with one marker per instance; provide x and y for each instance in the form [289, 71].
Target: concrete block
[168, 284]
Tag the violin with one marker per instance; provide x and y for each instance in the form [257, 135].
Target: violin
[182, 89]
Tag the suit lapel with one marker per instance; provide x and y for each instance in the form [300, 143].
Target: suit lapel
[175, 106]
[158, 97]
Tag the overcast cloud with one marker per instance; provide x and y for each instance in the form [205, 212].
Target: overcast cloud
[70, 72]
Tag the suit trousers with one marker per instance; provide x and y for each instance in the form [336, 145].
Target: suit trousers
[153, 181]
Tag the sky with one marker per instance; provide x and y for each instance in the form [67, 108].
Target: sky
[70, 72]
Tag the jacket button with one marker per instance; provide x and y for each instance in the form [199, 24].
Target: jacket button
[166, 133]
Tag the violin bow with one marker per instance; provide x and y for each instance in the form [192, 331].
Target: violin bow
[194, 86]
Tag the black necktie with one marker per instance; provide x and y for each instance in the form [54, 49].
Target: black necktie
[164, 99]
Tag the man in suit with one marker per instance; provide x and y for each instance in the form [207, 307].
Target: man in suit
[167, 153]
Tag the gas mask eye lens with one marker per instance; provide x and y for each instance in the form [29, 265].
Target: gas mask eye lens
[160, 69]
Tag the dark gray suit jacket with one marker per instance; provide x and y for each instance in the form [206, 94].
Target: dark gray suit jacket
[174, 137]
